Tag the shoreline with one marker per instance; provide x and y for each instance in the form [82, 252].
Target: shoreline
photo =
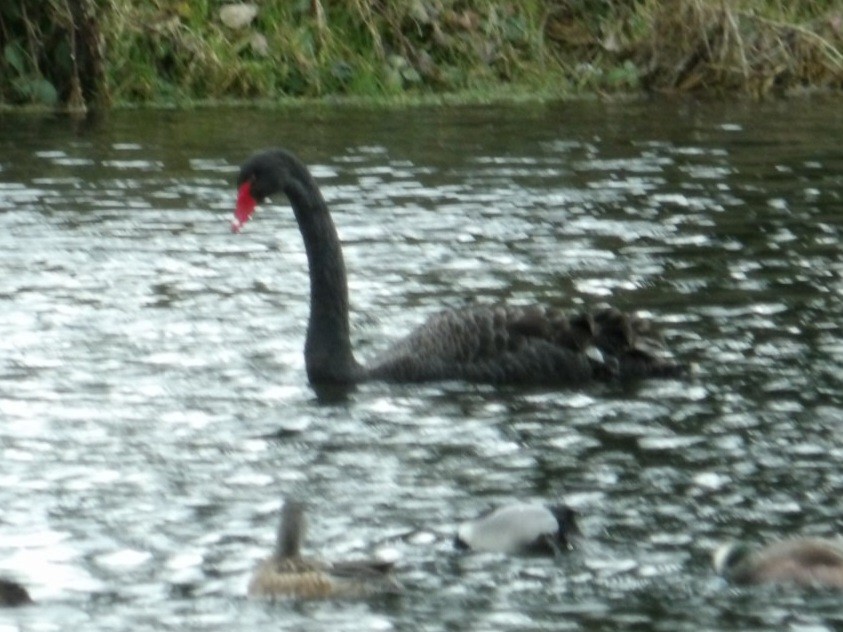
[118, 54]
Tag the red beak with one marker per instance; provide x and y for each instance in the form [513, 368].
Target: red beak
[245, 207]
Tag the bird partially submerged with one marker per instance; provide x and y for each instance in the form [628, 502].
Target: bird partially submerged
[797, 561]
[528, 528]
[13, 594]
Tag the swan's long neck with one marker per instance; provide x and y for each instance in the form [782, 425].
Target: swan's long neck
[327, 351]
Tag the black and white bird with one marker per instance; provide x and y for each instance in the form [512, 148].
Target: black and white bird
[529, 528]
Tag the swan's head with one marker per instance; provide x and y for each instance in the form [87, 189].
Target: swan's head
[261, 175]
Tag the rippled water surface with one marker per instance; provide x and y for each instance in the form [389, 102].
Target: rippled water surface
[154, 410]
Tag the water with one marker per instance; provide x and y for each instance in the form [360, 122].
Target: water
[155, 409]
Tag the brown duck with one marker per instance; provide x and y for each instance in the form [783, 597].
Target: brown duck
[798, 561]
[287, 574]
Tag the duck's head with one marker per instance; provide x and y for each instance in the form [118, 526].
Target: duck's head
[566, 518]
[729, 556]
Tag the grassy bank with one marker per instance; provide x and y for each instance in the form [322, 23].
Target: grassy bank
[82, 52]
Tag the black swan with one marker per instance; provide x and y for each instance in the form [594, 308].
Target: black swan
[498, 344]
[797, 561]
[286, 574]
[520, 528]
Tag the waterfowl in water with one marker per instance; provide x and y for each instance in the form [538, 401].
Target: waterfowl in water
[499, 344]
[286, 574]
[520, 528]
[799, 561]
[13, 594]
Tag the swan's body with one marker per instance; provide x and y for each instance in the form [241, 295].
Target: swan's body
[286, 574]
[520, 528]
[497, 344]
[798, 561]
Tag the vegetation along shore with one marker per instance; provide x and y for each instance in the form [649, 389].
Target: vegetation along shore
[77, 54]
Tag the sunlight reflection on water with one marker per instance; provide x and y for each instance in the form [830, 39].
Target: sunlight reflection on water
[156, 412]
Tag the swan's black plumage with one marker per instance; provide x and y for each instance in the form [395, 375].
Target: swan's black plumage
[496, 343]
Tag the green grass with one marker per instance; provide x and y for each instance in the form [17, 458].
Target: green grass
[402, 51]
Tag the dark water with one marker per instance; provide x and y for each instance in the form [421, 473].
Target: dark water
[155, 409]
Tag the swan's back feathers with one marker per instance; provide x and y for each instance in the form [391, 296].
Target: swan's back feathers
[503, 344]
